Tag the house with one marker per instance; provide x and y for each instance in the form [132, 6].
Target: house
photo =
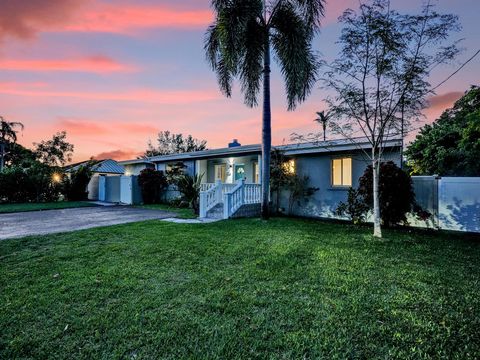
[231, 176]
[107, 168]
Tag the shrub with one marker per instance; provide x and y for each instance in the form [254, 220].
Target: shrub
[299, 189]
[397, 197]
[355, 208]
[189, 187]
[15, 185]
[76, 188]
[152, 183]
[32, 184]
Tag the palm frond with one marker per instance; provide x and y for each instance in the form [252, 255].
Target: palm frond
[291, 41]
[311, 11]
[252, 62]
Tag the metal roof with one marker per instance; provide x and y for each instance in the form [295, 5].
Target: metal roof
[289, 149]
[107, 166]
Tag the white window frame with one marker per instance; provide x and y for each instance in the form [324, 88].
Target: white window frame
[342, 185]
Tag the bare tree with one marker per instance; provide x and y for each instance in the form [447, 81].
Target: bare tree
[380, 79]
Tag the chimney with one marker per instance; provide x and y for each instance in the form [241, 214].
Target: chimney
[234, 143]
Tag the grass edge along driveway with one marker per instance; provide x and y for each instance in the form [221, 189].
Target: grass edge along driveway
[24, 207]
[286, 288]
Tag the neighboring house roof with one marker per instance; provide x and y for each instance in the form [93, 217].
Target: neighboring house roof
[290, 149]
[107, 166]
[135, 161]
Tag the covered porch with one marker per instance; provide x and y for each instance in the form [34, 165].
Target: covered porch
[229, 170]
[228, 184]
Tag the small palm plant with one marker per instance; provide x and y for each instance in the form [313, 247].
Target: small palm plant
[238, 45]
[189, 187]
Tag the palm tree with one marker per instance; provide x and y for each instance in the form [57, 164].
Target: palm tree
[238, 45]
[322, 119]
[8, 134]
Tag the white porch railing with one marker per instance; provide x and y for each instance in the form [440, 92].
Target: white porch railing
[206, 186]
[233, 196]
[209, 198]
[240, 195]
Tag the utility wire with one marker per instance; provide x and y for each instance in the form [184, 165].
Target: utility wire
[456, 71]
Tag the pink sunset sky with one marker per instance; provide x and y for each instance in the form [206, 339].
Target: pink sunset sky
[114, 73]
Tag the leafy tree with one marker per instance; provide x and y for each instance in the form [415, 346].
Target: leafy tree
[8, 137]
[19, 155]
[170, 143]
[451, 145]
[152, 183]
[238, 45]
[56, 151]
[380, 78]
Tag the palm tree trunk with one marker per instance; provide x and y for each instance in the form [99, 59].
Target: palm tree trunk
[266, 130]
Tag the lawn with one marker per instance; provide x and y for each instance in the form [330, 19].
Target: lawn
[285, 289]
[182, 213]
[9, 208]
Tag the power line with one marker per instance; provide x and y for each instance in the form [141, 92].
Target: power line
[456, 71]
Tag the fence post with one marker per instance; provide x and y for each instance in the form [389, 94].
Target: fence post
[242, 192]
[218, 191]
[436, 200]
[203, 205]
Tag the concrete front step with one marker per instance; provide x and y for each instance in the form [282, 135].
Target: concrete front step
[216, 212]
[247, 210]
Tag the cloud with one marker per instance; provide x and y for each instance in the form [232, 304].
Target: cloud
[444, 101]
[118, 154]
[85, 127]
[124, 19]
[145, 95]
[94, 64]
[24, 19]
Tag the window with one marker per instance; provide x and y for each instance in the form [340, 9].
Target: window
[256, 173]
[289, 167]
[221, 172]
[342, 172]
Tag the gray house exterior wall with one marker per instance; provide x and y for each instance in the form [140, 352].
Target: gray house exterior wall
[135, 169]
[318, 168]
[189, 166]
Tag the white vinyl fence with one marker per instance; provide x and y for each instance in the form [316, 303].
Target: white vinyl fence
[454, 202]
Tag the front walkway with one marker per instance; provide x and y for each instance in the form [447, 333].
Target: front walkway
[16, 225]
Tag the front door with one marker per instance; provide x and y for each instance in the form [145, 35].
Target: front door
[239, 172]
[221, 172]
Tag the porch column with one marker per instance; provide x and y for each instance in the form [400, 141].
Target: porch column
[260, 175]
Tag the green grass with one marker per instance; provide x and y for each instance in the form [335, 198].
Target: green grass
[284, 289]
[182, 213]
[9, 208]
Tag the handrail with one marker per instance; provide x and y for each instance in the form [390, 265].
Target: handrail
[233, 200]
[209, 198]
[232, 195]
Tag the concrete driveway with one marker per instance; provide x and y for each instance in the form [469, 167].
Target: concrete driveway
[54, 221]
